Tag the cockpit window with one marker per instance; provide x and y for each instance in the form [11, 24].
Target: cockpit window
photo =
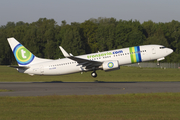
[162, 47]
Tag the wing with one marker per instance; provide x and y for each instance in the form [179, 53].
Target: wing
[84, 62]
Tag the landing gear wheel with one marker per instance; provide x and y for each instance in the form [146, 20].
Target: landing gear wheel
[158, 63]
[93, 74]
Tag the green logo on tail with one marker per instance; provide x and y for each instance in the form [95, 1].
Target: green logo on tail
[22, 55]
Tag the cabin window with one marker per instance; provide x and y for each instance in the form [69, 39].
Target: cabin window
[162, 47]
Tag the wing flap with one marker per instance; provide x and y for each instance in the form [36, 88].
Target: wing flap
[85, 62]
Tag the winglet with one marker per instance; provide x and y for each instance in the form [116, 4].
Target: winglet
[64, 52]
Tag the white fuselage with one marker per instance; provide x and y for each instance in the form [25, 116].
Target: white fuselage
[123, 56]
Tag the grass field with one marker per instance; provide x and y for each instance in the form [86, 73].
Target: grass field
[124, 74]
[5, 90]
[153, 106]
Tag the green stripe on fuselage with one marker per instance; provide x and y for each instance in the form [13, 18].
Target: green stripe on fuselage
[131, 55]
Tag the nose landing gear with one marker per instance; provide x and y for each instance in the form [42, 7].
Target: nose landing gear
[158, 63]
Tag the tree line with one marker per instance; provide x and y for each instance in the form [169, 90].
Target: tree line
[44, 37]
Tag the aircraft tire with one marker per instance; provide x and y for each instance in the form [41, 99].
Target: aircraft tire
[94, 74]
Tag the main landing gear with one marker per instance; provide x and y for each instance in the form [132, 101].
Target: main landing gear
[94, 74]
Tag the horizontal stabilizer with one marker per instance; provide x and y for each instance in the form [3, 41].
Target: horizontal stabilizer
[24, 67]
[70, 54]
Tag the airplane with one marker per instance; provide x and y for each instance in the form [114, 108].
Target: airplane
[107, 60]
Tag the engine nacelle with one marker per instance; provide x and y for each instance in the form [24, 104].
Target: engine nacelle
[111, 65]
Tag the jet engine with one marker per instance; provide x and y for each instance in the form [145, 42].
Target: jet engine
[111, 65]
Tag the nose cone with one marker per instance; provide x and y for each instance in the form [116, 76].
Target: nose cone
[169, 51]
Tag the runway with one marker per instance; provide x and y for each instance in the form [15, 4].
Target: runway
[85, 88]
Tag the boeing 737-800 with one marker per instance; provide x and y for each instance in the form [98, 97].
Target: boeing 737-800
[107, 60]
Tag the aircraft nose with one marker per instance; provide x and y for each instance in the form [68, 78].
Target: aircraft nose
[169, 51]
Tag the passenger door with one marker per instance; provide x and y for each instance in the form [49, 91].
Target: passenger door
[153, 50]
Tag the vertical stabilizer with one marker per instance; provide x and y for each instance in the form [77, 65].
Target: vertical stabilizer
[23, 56]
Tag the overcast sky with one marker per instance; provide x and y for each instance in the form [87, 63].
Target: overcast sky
[81, 10]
